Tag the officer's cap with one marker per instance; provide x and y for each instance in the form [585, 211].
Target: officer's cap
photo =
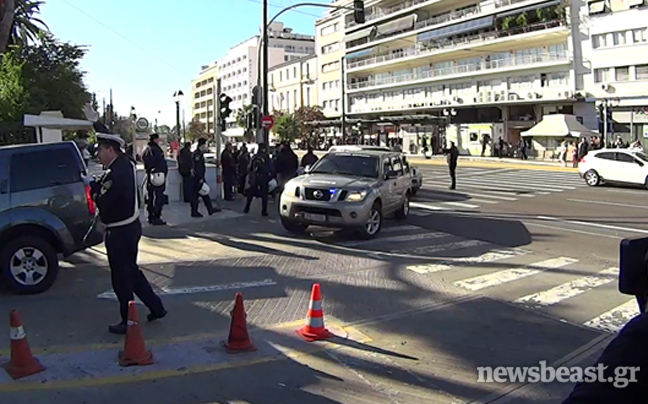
[202, 141]
[113, 140]
[153, 136]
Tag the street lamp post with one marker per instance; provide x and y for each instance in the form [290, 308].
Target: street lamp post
[177, 96]
[133, 134]
[607, 105]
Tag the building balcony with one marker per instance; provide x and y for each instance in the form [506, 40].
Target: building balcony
[410, 6]
[485, 67]
[474, 99]
[422, 49]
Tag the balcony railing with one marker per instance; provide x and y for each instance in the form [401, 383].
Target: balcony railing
[457, 70]
[383, 12]
[424, 49]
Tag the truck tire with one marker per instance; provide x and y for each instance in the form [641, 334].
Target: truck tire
[29, 265]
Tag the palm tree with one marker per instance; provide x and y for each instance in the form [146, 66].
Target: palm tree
[241, 121]
[18, 22]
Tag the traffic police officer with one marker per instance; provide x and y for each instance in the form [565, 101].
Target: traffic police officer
[198, 179]
[117, 197]
[156, 168]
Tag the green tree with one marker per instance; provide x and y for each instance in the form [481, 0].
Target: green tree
[53, 77]
[13, 95]
[286, 128]
[195, 131]
[19, 24]
[241, 116]
[304, 115]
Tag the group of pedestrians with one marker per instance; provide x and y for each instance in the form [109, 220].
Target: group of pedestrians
[191, 166]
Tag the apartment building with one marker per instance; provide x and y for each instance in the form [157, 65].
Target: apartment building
[617, 46]
[293, 84]
[491, 67]
[329, 41]
[239, 69]
[202, 94]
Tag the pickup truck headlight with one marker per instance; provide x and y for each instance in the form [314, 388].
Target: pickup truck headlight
[356, 196]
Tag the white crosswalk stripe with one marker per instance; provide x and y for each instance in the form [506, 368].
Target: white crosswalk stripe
[478, 188]
[560, 287]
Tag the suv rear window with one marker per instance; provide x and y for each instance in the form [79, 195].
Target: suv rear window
[43, 168]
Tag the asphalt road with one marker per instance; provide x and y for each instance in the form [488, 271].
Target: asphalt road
[514, 267]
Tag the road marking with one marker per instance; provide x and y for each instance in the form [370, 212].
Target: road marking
[569, 289]
[442, 247]
[628, 191]
[513, 274]
[572, 230]
[199, 289]
[394, 229]
[395, 239]
[445, 265]
[501, 184]
[615, 319]
[418, 205]
[608, 203]
[461, 205]
[602, 226]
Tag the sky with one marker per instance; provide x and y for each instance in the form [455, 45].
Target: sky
[145, 50]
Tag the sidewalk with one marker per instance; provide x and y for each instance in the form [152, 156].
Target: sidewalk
[179, 213]
[493, 162]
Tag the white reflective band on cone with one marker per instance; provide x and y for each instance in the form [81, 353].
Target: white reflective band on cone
[315, 305]
[131, 323]
[16, 333]
[316, 322]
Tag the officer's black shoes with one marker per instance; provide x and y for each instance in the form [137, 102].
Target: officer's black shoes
[214, 210]
[246, 210]
[196, 214]
[264, 213]
[157, 222]
[118, 329]
[157, 316]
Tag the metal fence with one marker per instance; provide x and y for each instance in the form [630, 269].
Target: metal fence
[16, 133]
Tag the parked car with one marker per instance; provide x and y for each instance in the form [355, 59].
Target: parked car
[614, 166]
[417, 175]
[45, 210]
[355, 189]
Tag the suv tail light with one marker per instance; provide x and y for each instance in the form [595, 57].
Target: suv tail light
[92, 208]
[582, 160]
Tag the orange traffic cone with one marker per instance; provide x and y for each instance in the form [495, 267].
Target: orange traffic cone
[239, 339]
[134, 352]
[22, 361]
[314, 329]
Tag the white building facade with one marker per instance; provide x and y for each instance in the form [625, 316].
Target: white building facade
[464, 69]
[202, 94]
[293, 84]
[239, 69]
[617, 50]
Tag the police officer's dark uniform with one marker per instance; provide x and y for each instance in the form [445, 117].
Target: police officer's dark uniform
[453, 156]
[228, 162]
[155, 162]
[184, 168]
[117, 197]
[198, 171]
[260, 173]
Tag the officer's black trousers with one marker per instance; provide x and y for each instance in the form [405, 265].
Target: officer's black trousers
[229, 182]
[453, 174]
[196, 185]
[155, 201]
[259, 192]
[187, 188]
[122, 246]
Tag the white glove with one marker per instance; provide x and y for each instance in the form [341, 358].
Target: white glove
[87, 179]
[90, 113]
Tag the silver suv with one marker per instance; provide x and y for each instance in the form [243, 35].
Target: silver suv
[348, 189]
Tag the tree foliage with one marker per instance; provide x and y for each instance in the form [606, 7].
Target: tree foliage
[13, 94]
[308, 114]
[286, 128]
[241, 116]
[19, 24]
[195, 131]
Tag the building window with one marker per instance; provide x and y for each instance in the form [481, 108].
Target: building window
[295, 72]
[328, 30]
[524, 82]
[332, 47]
[619, 38]
[332, 66]
[601, 75]
[641, 72]
[622, 73]
[557, 79]
[640, 35]
[308, 96]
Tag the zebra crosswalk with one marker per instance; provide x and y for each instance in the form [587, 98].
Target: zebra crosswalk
[478, 188]
[558, 286]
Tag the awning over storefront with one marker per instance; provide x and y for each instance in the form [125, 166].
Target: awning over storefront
[558, 125]
[363, 33]
[401, 24]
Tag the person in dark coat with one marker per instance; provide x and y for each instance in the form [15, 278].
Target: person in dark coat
[625, 357]
[117, 197]
[184, 169]
[155, 163]
[309, 158]
[228, 163]
[453, 156]
[287, 164]
[243, 163]
[198, 171]
[259, 175]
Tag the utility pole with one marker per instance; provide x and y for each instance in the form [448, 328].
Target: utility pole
[112, 113]
[217, 135]
[343, 116]
[265, 68]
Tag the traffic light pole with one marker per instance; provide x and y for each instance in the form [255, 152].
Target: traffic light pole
[217, 134]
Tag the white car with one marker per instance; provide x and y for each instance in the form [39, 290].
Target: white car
[614, 166]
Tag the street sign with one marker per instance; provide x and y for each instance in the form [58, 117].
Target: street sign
[267, 122]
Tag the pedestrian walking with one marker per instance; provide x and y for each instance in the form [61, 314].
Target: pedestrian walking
[184, 169]
[228, 163]
[117, 197]
[156, 168]
[243, 163]
[259, 175]
[198, 171]
[452, 157]
[309, 158]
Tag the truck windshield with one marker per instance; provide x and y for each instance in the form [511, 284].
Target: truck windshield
[360, 165]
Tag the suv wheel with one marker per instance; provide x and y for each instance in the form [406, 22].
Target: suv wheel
[403, 211]
[294, 227]
[374, 223]
[29, 264]
[592, 178]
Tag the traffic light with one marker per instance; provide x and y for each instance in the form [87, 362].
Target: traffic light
[225, 110]
[358, 11]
